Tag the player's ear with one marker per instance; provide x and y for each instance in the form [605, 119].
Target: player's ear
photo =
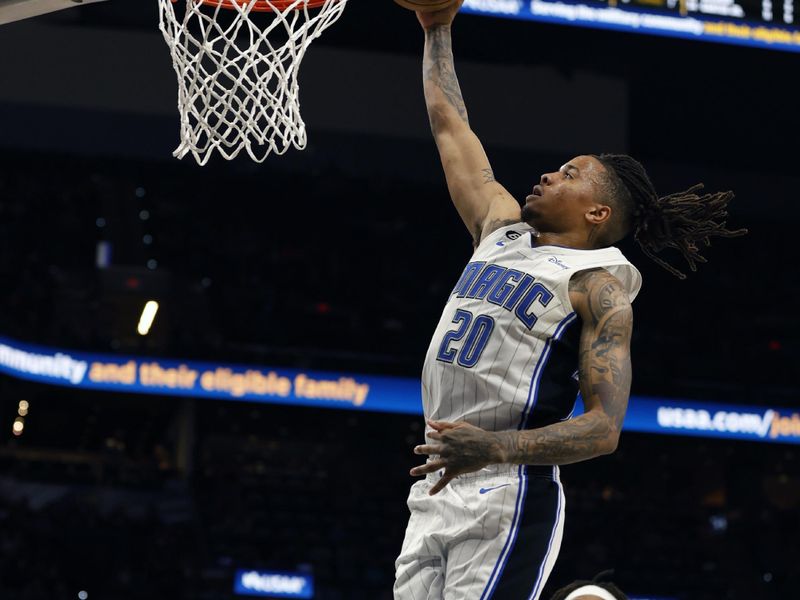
[598, 214]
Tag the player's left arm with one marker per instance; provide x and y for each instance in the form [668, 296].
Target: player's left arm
[604, 371]
[605, 380]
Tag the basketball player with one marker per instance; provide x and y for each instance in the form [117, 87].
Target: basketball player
[589, 591]
[542, 309]
[596, 589]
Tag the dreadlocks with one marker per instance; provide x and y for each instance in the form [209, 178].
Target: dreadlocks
[680, 221]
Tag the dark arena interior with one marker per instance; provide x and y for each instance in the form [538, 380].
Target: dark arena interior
[338, 260]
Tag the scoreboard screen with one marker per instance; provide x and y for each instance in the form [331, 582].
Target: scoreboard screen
[760, 23]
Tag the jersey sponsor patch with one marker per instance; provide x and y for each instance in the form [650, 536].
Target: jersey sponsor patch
[556, 261]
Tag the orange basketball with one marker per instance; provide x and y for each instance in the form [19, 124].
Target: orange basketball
[425, 5]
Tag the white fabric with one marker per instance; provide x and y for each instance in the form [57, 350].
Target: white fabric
[591, 590]
[237, 74]
[486, 365]
[498, 392]
[457, 540]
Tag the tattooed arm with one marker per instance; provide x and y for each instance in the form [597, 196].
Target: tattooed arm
[605, 379]
[604, 370]
[484, 204]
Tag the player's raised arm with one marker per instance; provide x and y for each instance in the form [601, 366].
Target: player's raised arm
[484, 204]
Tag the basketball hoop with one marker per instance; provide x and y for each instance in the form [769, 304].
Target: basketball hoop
[237, 72]
[260, 5]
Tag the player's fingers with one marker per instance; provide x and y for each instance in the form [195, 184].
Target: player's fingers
[441, 425]
[428, 449]
[435, 435]
[441, 484]
[429, 467]
[440, 449]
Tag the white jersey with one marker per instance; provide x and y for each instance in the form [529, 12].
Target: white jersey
[505, 353]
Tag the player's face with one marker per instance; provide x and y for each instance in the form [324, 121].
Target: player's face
[560, 200]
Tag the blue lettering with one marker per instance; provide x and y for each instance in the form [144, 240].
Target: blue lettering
[462, 318]
[509, 288]
[504, 286]
[536, 292]
[484, 283]
[467, 277]
[476, 341]
[518, 293]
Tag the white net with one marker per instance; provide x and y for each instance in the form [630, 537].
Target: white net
[237, 72]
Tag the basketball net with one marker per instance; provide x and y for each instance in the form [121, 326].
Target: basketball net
[237, 63]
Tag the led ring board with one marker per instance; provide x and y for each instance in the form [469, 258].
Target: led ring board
[761, 23]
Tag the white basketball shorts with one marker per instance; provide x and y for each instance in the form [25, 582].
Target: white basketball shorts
[494, 534]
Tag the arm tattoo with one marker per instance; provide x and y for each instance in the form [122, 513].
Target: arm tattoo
[572, 441]
[488, 175]
[605, 379]
[605, 364]
[438, 68]
[578, 282]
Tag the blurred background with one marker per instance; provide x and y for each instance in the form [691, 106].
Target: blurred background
[339, 259]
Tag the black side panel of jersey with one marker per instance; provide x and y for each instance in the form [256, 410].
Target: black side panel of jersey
[558, 389]
[525, 564]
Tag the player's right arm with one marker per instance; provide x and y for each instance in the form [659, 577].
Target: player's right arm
[483, 204]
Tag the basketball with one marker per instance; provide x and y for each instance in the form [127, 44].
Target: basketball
[425, 5]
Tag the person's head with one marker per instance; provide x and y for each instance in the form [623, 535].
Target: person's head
[590, 590]
[571, 200]
[604, 198]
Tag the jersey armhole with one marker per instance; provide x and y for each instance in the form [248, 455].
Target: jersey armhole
[630, 283]
[568, 301]
[500, 232]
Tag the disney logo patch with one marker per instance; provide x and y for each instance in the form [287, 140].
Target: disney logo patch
[555, 261]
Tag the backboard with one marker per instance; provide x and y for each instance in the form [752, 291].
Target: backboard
[16, 10]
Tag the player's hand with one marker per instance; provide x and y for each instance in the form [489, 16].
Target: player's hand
[439, 17]
[459, 448]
